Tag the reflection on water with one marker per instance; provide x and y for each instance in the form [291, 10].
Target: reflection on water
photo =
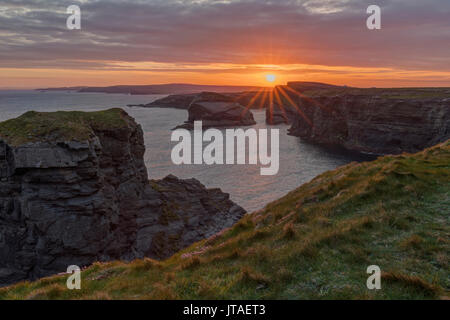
[299, 161]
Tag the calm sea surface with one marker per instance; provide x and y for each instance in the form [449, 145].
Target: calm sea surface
[299, 161]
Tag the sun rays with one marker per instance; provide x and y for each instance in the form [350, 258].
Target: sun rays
[277, 97]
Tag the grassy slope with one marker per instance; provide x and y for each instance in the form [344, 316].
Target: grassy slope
[316, 242]
[62, 125]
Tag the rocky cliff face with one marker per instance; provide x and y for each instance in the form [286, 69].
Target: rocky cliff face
[372, 123]
[282, 106]
[277, 114]
[217, 110]
[74, 190]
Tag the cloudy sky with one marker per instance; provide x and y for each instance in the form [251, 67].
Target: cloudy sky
[224, 42]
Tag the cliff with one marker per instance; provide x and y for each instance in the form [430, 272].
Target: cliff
[314, 243]
[217, 110]
[248, 99]
[373, 123]
[74, 190]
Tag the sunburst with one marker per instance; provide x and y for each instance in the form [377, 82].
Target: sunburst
[270, 96]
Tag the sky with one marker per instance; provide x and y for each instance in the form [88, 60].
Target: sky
[224, 42]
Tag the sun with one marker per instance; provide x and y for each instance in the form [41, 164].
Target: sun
[271, 77]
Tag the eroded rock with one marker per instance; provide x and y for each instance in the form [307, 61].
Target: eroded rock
[373, 124]
[217, 110]
[85, 199]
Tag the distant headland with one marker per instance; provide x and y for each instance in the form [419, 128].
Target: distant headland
[171, 88]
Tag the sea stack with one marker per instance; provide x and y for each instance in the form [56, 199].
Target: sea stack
[217, 110]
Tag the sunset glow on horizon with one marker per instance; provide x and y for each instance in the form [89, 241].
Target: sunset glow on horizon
[268, 44]
[251, 75]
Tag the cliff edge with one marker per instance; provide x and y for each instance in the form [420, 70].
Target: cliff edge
[74, 190]
[373, 123]
[314, 243]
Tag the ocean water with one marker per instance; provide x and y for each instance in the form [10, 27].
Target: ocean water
[299, 161]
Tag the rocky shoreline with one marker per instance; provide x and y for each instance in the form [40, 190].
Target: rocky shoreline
[368, 120]
[373, 124]
[74, 190]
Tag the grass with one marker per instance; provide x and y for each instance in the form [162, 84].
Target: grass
[61, 125]
[314, 243]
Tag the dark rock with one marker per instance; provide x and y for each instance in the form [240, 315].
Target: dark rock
[217, 110]
[373, 124]
[74, 202]
[248, 99]
[281, 114]
[177, 101]
[189, 212]
[284, 107]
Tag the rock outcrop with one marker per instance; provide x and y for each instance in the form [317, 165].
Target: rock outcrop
[278, 114]
[74, 190]
[283, 107]
[217, 110]
[373, 124]
[248, 99]
[176, 101]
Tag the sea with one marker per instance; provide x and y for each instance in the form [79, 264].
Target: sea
[299, 161]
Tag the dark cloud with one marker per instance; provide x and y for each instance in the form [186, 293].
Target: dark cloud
[415, 34]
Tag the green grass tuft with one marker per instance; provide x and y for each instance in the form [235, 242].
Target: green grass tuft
[61, 125]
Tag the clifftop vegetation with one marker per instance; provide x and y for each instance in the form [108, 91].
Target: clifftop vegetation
[64, 125]
[314, 243]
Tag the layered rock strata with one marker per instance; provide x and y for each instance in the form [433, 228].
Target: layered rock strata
[74, 190]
